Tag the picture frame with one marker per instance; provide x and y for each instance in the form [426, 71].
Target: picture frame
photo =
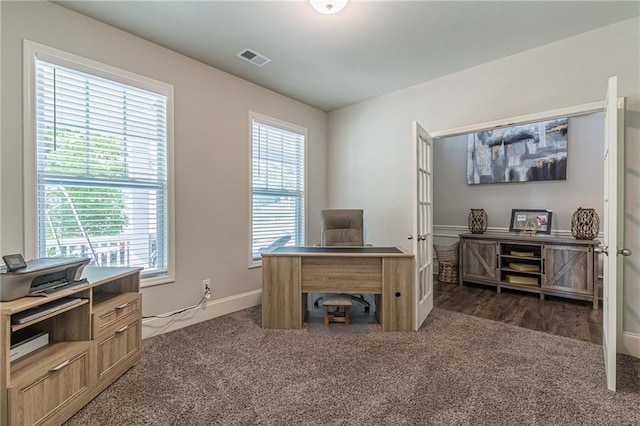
[531, 221]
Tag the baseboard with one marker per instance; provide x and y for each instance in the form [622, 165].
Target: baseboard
[630, 344]
[216, 308]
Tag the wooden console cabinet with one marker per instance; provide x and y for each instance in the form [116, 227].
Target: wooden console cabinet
[540, 264]
[91, 344]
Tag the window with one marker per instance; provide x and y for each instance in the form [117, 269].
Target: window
[277, 185]
[101, 164]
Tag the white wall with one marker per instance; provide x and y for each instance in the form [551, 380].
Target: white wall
[370, 154]
[212, 163]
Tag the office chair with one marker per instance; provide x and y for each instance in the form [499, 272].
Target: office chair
[343, 228]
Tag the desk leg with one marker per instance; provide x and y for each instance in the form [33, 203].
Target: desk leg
[397, 294]
[282, 292]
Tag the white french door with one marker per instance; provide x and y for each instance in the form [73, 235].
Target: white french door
[422, 224]
[613, 232]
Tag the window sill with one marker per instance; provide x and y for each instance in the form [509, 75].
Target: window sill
[156, 280]
[255, 264]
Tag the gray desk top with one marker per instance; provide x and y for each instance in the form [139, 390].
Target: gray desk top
[342, 249]
[338, 251]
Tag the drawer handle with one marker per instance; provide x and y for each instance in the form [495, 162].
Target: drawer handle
[124, 305]
[121, 329]
[59, 366]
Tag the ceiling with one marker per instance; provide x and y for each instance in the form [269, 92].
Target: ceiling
[368, 49]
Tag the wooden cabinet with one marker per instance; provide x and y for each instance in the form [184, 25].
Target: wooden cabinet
[540, 264]
[90, 345]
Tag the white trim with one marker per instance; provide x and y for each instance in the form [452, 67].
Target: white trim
[1, 136]
[294, 128]
[29, 150]
[522, 119]
[620, 209]
[452, 231]
[31, 51]
[275, 122]
[630, 344]
[89, 66]
[216, 308]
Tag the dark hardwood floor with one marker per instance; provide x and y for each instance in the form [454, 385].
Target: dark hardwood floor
[562, 317]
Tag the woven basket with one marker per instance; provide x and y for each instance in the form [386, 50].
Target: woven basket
[447, 256]
[447, 272]
[448, 253]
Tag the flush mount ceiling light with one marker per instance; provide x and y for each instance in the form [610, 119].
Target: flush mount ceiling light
[328, 7]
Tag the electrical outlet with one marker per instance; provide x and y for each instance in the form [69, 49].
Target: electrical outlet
[206, 287]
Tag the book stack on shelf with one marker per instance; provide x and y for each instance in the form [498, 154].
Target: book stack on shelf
[524, 267]
[522, 253]
[517, 279]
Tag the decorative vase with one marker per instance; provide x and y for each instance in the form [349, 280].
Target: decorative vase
[478, 221]
[585, 224]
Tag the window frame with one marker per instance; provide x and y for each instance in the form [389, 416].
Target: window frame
[270, 121]
[31, 51]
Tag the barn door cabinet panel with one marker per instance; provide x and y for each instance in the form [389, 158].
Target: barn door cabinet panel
[569, 269]
[479, 259]
[90, 345]
[540, 264]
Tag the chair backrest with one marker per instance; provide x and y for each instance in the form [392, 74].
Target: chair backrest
[342, 227]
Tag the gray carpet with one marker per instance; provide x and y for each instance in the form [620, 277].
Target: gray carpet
[457, 370]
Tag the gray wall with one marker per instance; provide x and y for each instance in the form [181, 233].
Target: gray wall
[212, 148]
[452, 197]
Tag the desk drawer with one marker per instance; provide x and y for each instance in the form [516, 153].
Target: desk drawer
[116, 345]
[353, 275]
[107, 312]
[48, 398]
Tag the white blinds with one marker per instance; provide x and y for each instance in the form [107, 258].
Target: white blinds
[101, 169]
[278, 187]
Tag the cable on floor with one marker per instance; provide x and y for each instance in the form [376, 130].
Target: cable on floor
[179, 311]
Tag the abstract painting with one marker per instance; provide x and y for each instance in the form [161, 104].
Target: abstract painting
[522, 153]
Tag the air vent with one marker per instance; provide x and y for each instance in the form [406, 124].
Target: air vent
[254, 57]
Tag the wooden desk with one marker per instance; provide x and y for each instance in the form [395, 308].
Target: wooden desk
[289, 273]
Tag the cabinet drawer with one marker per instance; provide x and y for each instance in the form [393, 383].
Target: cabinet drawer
[47, 398]
[111, 310]
[116, 345]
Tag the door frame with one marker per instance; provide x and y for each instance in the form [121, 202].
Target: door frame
[521, 119]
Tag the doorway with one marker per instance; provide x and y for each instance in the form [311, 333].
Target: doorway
[582, 188]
